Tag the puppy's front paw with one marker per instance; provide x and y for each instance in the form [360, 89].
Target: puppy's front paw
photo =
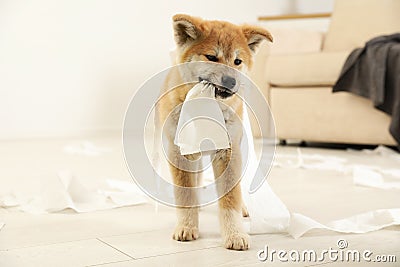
[237, 241]
[185, 233]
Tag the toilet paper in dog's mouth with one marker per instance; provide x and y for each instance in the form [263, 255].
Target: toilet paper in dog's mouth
[201, 124]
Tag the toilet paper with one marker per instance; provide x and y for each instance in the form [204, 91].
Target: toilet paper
[201, 125]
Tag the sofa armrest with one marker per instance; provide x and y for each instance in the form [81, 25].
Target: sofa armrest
[307, 69]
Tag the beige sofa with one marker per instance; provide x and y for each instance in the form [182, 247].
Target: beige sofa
[299, 86]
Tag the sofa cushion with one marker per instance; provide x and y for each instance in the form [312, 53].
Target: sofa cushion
[307, 69]
[294, 41]
[354, 22]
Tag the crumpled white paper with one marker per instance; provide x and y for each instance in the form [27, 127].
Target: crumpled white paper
[383, 151]
[201, 111]
[66, 191]
[369, 177]
[363, 175]
[310, 162]
[268, 214]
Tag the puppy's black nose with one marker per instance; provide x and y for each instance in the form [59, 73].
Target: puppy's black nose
[228, 82]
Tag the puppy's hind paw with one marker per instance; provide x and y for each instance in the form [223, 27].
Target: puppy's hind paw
[237, 241]
[184, 233]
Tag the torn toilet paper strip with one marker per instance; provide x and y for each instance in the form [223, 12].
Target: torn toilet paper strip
[66, 191]
[363, 175]
[269, 214]
[384, 152]
[310, 162]
[201, 111]
[371, 178]
[360, 223]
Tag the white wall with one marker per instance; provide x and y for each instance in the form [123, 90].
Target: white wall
[70, 67]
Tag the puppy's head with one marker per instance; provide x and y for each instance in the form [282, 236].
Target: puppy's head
[217, 42]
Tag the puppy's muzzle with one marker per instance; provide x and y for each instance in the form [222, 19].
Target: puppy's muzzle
[226, 89]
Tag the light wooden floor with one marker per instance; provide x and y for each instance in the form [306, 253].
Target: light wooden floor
[140, 236]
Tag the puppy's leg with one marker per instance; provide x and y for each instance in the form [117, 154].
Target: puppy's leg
[227, 167]
[186, 200]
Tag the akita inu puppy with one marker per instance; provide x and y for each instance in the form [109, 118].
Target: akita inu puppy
[234, 46]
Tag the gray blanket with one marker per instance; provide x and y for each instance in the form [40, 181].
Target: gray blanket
[374, 72]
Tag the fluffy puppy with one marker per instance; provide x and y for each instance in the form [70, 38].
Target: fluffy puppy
[234, 46]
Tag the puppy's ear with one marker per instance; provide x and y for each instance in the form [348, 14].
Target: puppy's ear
[255, 35]
[186, 29]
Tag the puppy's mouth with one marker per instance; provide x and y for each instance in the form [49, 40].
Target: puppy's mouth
[220, 91]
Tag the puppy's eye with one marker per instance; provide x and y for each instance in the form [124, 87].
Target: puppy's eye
[237, 62]
[212, 58]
